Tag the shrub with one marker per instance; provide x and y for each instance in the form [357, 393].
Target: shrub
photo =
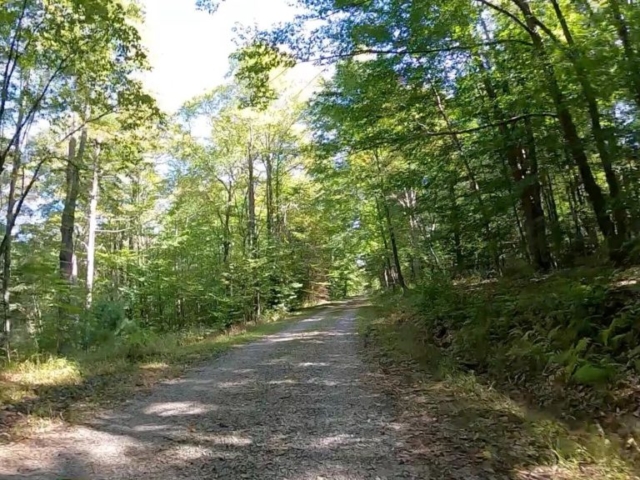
[576, 328]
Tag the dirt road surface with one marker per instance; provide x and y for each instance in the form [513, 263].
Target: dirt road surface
[296, 405]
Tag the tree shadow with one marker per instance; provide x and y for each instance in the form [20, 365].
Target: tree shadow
[74, 397]
[284, 408]
[277, 408]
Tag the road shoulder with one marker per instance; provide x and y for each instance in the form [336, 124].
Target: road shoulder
[465, 429]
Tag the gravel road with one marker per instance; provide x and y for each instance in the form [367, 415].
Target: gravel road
[295, 405]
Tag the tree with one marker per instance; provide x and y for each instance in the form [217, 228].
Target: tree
[542, 118]
[59, 58]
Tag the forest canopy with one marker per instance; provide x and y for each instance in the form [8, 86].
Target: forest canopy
[444, 139]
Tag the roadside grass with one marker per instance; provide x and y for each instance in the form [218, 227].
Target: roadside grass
[468, 416]
[43, 391]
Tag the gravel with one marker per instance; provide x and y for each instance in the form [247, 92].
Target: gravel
[296, 405]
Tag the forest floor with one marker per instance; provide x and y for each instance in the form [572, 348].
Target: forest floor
[458, 417]
[313, 401]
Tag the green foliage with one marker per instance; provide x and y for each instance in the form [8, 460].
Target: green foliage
[184, 249]
[254, 66]
[589, 374]
[573, 327]
[453, 151]
[136, 342]
[477, 412]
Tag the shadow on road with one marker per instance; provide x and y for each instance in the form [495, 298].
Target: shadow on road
[292, 405]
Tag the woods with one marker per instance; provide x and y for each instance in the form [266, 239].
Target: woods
[156, 227]
[515, 123]
[473, 165]
[492, 152]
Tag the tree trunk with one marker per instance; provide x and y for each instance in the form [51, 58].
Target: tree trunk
[394, 245]
[573, 206]
[570, 132]
[93, 225]
[523, 165]
[269, 193]
[6, 301]
[455, 222]
[387, 262]
[227, 227]
[251, 225]
[552, 211]
[278, 218]
[590, 227]
[475, 186]
[524, 245]
[226, 219]
[410, 201]
[68, 267]
[6, 266]
[632, 59]
[251, 204]
[619, 213]
[533, 192]
[387, 214]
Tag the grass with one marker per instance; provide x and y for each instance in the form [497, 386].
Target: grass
[44, 390]
[476, 422]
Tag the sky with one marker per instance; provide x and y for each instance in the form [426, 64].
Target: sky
[189, 49]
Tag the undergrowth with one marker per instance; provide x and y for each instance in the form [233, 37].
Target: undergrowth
[570, 339]
[564, 345]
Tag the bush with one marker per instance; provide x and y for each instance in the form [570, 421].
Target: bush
[574, 328]
[136, 343]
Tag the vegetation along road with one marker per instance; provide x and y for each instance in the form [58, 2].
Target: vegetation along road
[178, 177]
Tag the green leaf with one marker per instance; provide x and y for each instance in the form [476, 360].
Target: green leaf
[590, 374]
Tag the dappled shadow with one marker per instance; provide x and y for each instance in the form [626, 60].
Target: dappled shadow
[68, 397]
[296, 405]
[56, 401]
[291, 405]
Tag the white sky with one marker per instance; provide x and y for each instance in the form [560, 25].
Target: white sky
[189, 49]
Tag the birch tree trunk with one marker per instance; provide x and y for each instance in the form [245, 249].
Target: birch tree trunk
[6, 265]
[93, 225]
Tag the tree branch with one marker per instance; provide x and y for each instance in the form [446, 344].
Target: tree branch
[16, 213]
[546, 30]
[84, 124]
[370, 143]
[32, 111]
[122, 230]
[506, 12]
[8, 74]
[484, 127]
[401, 51]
